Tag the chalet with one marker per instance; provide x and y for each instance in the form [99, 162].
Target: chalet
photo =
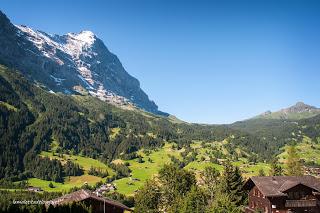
[106, 188]
[98, 204]
[34, 189]
[283, 194]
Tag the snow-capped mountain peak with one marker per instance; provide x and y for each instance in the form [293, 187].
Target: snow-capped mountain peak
[37, 37]
[85, 36]
[72, 43]
[76, 50]
[70, 63]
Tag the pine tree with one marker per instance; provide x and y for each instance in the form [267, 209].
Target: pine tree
[167, 192]
[223, 204]
[261, 172]
[195, 201]
[276, 169]
[51, 185]
[232, 184]
[147, 199]
[174, 183]
[294, 167]
[210, 179]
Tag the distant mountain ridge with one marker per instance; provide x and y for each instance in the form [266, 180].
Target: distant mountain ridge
[298, 111]
[70, 63]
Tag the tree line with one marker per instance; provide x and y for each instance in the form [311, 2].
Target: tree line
[176, 190]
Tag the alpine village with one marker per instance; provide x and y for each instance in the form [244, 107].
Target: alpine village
[78, 134]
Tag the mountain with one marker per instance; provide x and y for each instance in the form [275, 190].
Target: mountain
[298, 111]
[279, 122]
[71, 63]
[274, 130]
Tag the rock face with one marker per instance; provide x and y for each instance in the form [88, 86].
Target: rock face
[298, 111]
[300, 107]
[69, 63]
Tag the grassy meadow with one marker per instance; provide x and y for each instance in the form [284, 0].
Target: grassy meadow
[152, 161]
[307, 150]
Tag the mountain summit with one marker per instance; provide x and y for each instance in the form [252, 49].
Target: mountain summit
[300, 107]
[70, 63]
[298, 111]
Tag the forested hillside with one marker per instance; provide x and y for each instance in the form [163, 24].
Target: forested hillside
[273, 134]
[32, 119]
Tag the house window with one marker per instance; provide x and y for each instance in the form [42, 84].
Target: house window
[290, 194]
[296, 195]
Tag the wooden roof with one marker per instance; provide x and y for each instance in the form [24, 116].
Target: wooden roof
[83, 195]
[275, 186]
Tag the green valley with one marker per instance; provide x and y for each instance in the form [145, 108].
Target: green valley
[85, 131]
[60, 142]
[144, 169]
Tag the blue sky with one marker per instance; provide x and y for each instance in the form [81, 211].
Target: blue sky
[203, 61]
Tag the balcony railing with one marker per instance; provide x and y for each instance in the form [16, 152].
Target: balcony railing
[301, 203]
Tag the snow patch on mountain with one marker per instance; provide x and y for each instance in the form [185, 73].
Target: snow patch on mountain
[85, 36]
[57, 80]
[70, 63]
[75, 45]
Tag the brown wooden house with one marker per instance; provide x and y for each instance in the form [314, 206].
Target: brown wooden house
[98, 204]
[283, 194]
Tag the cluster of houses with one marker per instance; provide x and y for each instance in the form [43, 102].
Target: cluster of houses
[109, 187]
[311, 170]
[34, 189]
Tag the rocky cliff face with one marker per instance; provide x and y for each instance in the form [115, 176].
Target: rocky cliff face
[70, 63]
[298, 111]
[300, 107]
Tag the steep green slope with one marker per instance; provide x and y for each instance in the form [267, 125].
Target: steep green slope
[276, 129]
[41, 131]
[308, 151]
[276, 133]
[35, 122]
[32, 119]
[271, 133]
[40, 116]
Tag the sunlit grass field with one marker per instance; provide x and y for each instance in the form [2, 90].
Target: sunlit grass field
[85, 162]
[146, 170]
[307, 150]
[141, 172]
[73, 181]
